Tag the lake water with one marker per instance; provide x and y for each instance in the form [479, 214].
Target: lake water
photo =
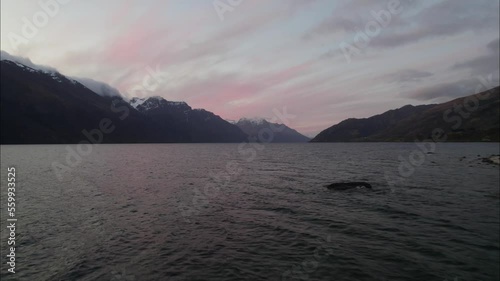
[224, 212]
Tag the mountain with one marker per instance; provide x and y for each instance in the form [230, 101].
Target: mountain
[195, 125]
[42, 107]
[39, 105]
[471, 118]
[281, 133]
[98, 87]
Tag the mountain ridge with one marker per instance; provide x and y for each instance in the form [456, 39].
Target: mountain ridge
[40, 106]
[196, 125]
[409, 123]
[261, 130]
[38, 101]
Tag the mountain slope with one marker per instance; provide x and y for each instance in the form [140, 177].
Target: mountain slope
[41, 106]
[194, 125]
[281, 133]
[418, 122]
[46, 107]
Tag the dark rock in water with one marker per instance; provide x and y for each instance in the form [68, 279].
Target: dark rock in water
[348, 185]
[493, 159]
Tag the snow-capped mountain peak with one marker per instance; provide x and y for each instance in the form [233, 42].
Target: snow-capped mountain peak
[254, 121]
[255, 127]
[149, 103]
[135, 102]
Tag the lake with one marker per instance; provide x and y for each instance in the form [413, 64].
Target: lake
[254, 212]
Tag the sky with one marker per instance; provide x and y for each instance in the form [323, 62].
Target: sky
[322, 61]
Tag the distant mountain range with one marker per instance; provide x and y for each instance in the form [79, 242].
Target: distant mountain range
[190, 125]
[41, 106]
[472, 118]
[280, 132]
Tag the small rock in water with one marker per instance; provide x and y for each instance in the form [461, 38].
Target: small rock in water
[493, 159]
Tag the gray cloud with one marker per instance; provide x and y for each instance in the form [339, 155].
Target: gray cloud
[415, 23]
[350, 16]
[446, 18]
[485, 64]
[407, 75]
[485, 67]
[446, 90]
[333, 24]
[494, 45]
